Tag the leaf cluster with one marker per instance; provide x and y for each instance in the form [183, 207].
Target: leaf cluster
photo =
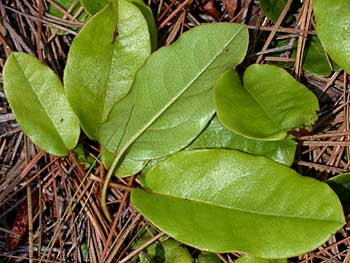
[216, 148]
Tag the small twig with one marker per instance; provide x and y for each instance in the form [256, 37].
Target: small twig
[321, 167]
[39, 29]
[173, 14]
[287, 47]
[114, 185]
[275, 28]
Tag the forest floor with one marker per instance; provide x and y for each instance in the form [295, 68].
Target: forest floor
[50, 210]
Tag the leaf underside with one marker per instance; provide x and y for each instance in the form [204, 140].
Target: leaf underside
[217, 136]
[164, 112]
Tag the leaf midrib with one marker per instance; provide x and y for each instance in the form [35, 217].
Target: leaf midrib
[239, 209]
[172, 101]
[262, 106]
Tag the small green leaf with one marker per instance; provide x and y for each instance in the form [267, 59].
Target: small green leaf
[103, 60]
[341, 185]
[224, 200]
[152, 27]
[207, 257]
[248, 259]
[174, 252]
[66, 4]
[217, 136]
[171, 99]
[151, 251]
[315, 60]
[37, 99]
[271, 103]
[333, 29]
[273, 8]
[128, 167]
[93, 6]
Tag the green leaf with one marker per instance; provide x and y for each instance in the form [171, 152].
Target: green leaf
[66, 4]
[152, 27]
[248, 259]
[225, 200]
[315, 60]
[271, 103]
[86, 161]
[273, 9]
[128, 167]
[37, 99]
[333, 29]
[174, 252]
[171, 99]
[93, 6]
[341, 185]
[217, 136]
[151, 250]
[207, 257]
[102, 63]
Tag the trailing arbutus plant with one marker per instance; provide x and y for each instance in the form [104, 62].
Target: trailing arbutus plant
[212, 150]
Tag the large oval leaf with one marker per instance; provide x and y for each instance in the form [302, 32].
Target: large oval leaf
[225, 200]
[217, 136]
[271, 103]
[103, 61]
[37, 99]
[248, 259]
[171, 99]
[333, 29]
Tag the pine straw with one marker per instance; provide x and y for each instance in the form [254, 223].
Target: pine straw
[49, 206]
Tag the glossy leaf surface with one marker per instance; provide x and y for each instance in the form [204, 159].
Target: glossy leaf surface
[270, 103]
[93, 6]
[102, 63]
[37, 99]
[171, 99]
[224, 200]
[128, 167]
[148, 14]
[248, 259]
[217, 136]
[333, 29]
